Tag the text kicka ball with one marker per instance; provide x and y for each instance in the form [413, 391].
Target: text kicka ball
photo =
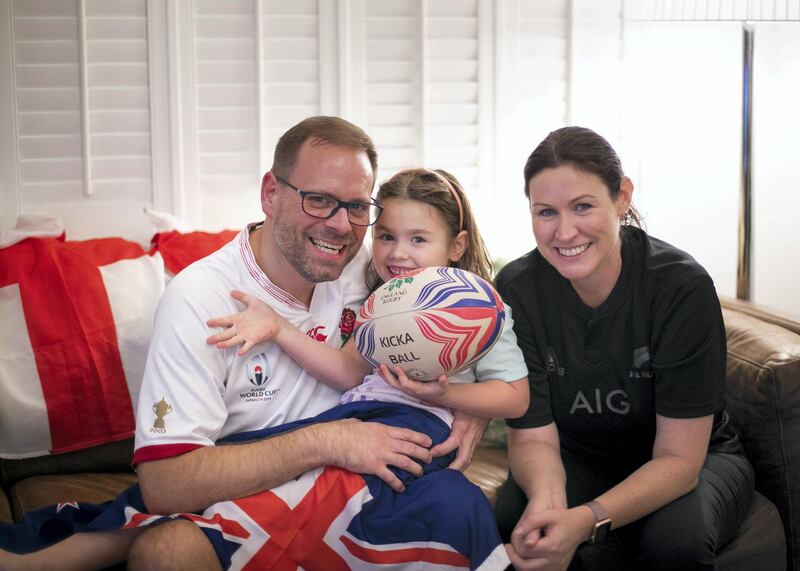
[430, 322]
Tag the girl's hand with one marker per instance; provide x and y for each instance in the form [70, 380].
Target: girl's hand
[431, 391]
[465, 435]
[256, 324]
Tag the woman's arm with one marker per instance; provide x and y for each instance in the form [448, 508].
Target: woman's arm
[341, 369]
[679, 451]
[490, 398]
[535, 459]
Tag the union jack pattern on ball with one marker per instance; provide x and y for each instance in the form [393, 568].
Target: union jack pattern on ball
[430, 321]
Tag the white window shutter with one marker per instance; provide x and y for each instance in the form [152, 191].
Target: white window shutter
[81, 76]
[422, 85]
[256, 75]
[118, 103]
[226, 100]
[290, 68]
[392, 83]
[48, 101]
[452, 87]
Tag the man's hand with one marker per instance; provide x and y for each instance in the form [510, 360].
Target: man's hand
[465, 435]
[371, 447]
[256, 324]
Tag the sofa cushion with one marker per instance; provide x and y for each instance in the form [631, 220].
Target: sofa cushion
[110, 457]
[181, 249]
[763, 400]
[759, 542]
[488, 470]
[40, 491]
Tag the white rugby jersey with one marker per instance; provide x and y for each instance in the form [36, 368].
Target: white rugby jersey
[193, 394]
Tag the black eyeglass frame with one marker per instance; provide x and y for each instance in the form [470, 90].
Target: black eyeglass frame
[339, 204]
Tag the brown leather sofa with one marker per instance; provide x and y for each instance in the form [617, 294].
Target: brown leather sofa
[763, 401]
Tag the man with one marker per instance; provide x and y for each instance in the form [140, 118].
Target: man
[309, 267]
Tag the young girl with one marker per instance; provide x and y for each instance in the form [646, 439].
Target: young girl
[426, 221]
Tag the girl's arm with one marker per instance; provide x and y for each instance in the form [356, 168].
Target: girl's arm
[341, 369]
[491, 398]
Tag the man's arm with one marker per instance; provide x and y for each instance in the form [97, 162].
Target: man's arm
[181, 408]
[195, 480]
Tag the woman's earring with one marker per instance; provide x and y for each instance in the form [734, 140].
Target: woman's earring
[627, 219]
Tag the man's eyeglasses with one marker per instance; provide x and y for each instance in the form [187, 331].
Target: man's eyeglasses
[324, 206]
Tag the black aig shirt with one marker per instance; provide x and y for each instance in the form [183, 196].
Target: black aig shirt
[655, 346]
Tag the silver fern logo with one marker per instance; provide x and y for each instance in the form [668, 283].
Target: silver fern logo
[641, 368]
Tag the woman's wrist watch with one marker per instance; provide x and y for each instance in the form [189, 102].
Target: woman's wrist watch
[602, 523]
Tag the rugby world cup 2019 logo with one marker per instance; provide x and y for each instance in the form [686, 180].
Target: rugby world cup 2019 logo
[258, 370]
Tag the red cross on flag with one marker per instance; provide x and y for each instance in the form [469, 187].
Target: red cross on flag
[76, 323]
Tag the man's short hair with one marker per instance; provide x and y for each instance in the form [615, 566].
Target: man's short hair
[322, 130]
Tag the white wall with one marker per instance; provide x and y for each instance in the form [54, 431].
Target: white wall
[776, 172]
[683, 136]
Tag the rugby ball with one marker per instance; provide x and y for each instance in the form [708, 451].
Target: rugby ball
[430, 322]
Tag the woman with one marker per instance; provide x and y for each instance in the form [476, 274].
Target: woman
[625, 453]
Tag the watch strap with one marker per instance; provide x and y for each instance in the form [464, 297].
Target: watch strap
[602, 522]
[599, 511]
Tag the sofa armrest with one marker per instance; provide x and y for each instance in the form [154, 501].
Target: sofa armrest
[763, 400]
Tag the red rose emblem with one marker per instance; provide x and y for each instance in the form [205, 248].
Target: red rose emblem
[347, 323]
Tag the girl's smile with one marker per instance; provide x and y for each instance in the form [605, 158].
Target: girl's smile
[411, 234]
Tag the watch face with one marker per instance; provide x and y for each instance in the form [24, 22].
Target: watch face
[601, 529]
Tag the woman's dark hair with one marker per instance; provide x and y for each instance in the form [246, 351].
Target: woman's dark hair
[584, 150]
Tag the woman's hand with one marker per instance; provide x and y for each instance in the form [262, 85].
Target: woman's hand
[526, 534]
[256, 324]
[430, 391]
[548, 539]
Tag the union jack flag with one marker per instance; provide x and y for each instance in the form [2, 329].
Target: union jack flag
[328, 519]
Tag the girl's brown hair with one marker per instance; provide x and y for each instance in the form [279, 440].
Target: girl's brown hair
[441, 190]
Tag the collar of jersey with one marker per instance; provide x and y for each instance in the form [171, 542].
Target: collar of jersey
[619, 294]
[258, 274]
